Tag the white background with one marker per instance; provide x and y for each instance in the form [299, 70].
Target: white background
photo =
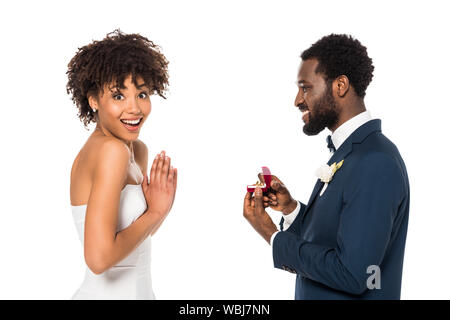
[233, 67]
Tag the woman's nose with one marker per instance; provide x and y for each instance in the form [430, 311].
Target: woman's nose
[133, 106]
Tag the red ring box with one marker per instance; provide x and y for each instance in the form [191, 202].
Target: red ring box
[267, 179]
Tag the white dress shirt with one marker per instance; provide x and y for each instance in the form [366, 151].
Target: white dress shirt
[338, 137]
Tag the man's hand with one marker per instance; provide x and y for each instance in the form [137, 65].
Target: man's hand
[278, 197]
[255, 214]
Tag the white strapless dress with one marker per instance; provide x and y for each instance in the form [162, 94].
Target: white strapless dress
[130, 278]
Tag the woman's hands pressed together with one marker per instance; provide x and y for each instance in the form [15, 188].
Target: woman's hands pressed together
[160, 191]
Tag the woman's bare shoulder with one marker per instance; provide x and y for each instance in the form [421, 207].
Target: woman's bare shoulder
[110, 172]
[104, 146]
[110, 152]
[141, 147]
[101, 158]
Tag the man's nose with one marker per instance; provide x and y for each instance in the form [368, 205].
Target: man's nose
[299, 98]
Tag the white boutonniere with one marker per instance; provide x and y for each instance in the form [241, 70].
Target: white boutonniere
[325, 173]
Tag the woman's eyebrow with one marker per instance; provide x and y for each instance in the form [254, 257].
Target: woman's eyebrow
[142, 85]
[117, 89]
[114, 88]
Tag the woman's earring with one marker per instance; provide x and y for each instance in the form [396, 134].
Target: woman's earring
[94, 110]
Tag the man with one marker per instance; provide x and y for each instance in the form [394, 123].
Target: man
[348, 242]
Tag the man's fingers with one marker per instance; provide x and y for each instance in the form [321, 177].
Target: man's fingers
[247, 199]
[276, 179]
[261, 178]
[271, 196]
[277, 185]
[270, 203]
[258, 199]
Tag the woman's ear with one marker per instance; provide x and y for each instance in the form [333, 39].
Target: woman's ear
[93, 101]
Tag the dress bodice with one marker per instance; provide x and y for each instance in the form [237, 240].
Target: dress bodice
[130, 278]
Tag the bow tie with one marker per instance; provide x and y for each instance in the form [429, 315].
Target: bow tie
[330, 144]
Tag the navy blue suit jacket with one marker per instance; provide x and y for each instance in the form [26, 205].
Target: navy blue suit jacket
[360, 220]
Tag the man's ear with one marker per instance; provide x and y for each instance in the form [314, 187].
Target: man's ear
[342, 85]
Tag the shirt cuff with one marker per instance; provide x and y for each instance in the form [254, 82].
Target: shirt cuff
[273, 237]
[289, 218]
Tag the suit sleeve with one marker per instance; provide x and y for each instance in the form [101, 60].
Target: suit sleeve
[370, 206]
[294, 226]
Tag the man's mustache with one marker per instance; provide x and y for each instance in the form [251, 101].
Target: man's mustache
[302, 107]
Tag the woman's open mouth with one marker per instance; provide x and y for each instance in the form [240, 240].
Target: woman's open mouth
[131, 125]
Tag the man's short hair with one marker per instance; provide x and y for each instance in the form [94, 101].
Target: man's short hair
[340, 54]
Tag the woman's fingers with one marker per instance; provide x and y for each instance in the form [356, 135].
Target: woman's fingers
[165, 171]
[175, 180]
[162, 172]
[153, 169]
[174, 185]
[144, 183]
[159, 167]
[170, 177]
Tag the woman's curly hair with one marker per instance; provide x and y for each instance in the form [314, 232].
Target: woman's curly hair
[340, 54]
[110, 60]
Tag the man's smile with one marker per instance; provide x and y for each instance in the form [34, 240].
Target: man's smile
[305, 112]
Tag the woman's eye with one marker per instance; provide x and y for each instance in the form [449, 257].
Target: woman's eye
[118, 97]
[143, 95]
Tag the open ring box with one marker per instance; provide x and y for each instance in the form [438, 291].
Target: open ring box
[267, 176]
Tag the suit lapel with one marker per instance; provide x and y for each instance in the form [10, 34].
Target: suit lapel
[344, 150]
[340, 154]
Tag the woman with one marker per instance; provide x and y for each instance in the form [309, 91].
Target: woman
[115, 208]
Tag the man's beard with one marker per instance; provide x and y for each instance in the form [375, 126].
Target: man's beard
[325, 115]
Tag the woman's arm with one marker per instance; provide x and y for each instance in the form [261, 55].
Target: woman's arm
[103, 246]
[158, 224]
[142, 159]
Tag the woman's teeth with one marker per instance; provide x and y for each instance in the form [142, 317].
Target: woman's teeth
[132, 122]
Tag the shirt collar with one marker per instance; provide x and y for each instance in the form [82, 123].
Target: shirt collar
[346, 129]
